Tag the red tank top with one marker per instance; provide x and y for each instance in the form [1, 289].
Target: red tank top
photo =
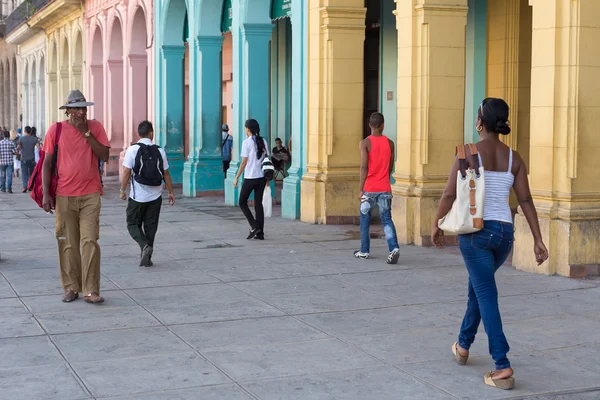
[378, 178]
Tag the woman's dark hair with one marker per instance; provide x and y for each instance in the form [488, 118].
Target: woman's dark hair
[493, 114]
[254, 128]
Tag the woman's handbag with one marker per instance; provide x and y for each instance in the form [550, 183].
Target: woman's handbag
[466, 215]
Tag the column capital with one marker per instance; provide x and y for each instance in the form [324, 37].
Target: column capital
[257, 29]
[173, 51]
[344, 18]
[208, 41]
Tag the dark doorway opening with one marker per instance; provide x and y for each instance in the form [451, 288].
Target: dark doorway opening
[371, 62]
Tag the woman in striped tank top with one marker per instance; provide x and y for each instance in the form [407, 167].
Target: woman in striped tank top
[485, 251]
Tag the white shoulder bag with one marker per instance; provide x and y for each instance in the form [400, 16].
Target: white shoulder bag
[466, 215]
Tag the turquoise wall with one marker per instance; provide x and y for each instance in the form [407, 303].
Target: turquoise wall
[389, 67]
[476, 64]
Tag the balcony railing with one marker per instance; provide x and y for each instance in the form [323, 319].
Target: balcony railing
[22, 13]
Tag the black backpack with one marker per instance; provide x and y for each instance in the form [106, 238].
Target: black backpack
[148, 168]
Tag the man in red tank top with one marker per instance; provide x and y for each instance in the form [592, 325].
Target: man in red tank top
[376, 163]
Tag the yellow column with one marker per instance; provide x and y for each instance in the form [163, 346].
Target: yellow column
[431, 87]
[564, 164]
[335, 108]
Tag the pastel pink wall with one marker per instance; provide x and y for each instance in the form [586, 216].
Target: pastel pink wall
[119, 73]
[227, 81]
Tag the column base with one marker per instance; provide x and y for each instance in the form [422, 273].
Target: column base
[572, 247]
[290, 195]
[330, 199]
[176, 162]
[115, 161]
[232, 194]
[203, 177]
[413, 212]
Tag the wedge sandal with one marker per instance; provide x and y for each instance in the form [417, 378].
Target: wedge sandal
[462, 360]
[505, 384]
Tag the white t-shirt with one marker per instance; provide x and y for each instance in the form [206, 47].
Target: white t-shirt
[254, 167]
[143, 193]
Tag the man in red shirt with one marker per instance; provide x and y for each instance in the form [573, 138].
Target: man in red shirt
[81, 145]
[376, 163]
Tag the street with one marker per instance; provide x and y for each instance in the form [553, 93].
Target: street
[293, 317]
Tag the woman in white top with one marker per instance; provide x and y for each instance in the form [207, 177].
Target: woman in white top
[254, 151]
[485, 251]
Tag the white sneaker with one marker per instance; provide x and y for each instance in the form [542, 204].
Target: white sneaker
[393, 256]
[358, 254]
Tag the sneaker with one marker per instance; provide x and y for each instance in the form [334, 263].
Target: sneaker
[393, 256]
[260, 236]
[358, 254]
[146, 254]
[10, 191]
[253, 232]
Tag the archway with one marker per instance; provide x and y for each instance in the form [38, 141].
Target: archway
[2, 95]
[115, 93]
[25, 95]
[53, 94]
[97, 76]
[64, 72]
[77, 66]
[171, 86]
[33, 99]
[42, 96]
[138, 73]
[13, 96]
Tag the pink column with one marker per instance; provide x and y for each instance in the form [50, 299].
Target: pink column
[96, 86]
[115, 113]
[139, 90]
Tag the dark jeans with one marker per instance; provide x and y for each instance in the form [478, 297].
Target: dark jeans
[27, 168]
[383, 200]
[258, 186]
[142, 221]
[226, 167]
[484, 252]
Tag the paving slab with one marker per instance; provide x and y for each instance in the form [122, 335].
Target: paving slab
[296, 316]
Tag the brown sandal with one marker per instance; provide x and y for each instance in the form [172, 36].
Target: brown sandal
[505, 383]
[462, 360]
[93, 298]
[69, 296]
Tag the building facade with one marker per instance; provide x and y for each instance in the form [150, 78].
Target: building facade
[120, 69]
[10, 109]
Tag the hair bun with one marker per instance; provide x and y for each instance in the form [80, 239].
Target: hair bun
[502, 127]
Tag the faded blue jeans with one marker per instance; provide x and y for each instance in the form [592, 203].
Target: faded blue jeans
[484, 252]
[384, 201]
[6, 176]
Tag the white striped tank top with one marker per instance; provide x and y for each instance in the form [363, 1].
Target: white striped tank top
[497, 191]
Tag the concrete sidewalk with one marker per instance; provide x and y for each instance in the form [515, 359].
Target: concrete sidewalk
[293, 317]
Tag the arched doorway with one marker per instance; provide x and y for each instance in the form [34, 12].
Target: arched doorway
[171, 87]
[42, 96]
[25, 95]
[53, 95]
[64, 72]
[33, 100]
[78, 63]
[97, 76]
[13, 96]
[115, 104]
[138, 73]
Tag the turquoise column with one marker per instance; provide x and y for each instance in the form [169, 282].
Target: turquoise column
[476, 64]
[203, 172]
[173, 108]
[251, 98]
[290, 196]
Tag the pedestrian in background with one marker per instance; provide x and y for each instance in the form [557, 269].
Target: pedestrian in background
[7, 152]
[226, 148]
[145, 165]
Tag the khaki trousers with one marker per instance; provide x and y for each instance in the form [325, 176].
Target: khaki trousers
[77, 233]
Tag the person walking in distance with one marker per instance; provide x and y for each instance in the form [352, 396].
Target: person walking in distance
[7, 151]
[226, 148]
[27, 146]
[149, 166]
[376, 163]
[254, 151]
[81, 143]
[485, 251]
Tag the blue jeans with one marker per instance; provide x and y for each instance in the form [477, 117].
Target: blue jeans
[484, 252]
[384, 202]
[27, 168]
[6, 175]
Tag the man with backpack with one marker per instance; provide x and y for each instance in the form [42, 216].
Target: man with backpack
[145, 165]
